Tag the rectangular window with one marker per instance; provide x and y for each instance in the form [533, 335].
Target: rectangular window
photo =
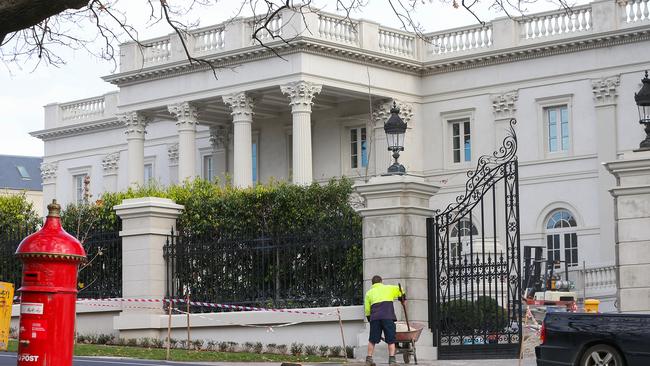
[571, 249]
[553, 249]
[461, 140]
[24, 175]
[208, 170]
[358, 148]
[557, 128]
[78, 184]
[148, 172]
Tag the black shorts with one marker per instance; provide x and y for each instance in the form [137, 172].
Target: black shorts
[386, 326]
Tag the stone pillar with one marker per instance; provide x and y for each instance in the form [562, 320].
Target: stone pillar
[172, 157]
[504, 108]
[242, 119]
[110, 165]
[605, 94]
[146, 223]
[48, 176]
[301, 94]
[136, 125]
[632, 218]
[395, 246]
[219, 142]
[186, 121]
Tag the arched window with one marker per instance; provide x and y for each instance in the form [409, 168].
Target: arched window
[464, 227]
[561, 238]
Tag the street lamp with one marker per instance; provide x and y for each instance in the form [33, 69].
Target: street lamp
[395, 128]
[642, 99]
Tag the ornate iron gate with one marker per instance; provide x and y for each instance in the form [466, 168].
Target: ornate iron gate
[474, 267]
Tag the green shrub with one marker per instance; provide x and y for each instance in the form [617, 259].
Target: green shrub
[466, 315]
[271, 348]
[248, 347]
[258, 347]
[282, 349]
[311, 350]
[17, 215]
[335, 351]
[222, 346]
[323, 350]
[349, 351]
[296, 348]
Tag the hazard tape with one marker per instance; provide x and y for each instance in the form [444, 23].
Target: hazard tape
[269, 328]
[203, 304]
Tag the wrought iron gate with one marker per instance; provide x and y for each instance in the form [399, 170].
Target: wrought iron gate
[474, 267]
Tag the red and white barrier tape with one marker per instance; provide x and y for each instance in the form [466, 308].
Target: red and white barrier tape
[205, 304]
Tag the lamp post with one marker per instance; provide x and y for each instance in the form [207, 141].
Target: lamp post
[395, 128]
[642, 99]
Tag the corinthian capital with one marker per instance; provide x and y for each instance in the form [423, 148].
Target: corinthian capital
[218, 137]
[503, 105]
[186, 114]
[240, 104]
[301, 94]
[110, 163]
[381, 112]
[48, 172]
[606, 89]
[135, 123]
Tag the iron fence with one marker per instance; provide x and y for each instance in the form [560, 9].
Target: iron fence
[322, 269]
[100, 276]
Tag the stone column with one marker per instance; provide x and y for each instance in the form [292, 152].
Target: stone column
[172, 156]
[395, 245]
[146, 223]
[605, 94]
[301, 94]
[110, 167]
[632, 220]
[186, 121]
[242, 119]
[48, 176]
[136, 125]
[219, 142]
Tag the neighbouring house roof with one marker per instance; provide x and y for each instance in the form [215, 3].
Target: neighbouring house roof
[20, 172]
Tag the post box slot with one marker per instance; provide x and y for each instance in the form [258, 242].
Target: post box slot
[31, 277]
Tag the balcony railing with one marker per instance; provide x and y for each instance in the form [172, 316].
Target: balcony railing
[594, 281]
[80, 111]
[465, 41]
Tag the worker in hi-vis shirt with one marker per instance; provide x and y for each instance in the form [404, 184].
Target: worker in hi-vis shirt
[381, 315]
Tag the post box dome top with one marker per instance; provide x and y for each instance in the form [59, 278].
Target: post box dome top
[52, 242]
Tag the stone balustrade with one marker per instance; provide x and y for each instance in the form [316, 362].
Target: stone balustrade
[594, 280]
[79, 111]
[556, 23]
[579, 21]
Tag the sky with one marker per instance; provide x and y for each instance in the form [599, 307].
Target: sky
[24, 90]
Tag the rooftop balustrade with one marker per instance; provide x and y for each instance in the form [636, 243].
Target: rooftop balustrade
[596, 17]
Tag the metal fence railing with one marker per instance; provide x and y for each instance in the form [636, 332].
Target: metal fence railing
[315, 270]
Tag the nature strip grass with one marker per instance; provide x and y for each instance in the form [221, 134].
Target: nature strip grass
[182, 355]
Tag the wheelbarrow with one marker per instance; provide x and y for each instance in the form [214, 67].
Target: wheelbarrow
[405, 340]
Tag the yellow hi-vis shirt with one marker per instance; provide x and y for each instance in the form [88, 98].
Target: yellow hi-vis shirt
[379, 301]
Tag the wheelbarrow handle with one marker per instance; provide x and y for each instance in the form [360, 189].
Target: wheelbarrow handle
[406, 316]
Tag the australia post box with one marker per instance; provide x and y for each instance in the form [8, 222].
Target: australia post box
[51, 258]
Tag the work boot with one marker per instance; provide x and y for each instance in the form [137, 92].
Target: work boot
[369, 361]
[391, 361]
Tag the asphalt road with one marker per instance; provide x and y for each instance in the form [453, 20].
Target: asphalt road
[9, 359]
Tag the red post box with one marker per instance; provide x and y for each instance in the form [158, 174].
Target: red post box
[51, 258]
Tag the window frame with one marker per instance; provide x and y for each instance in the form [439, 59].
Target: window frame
[544, 104]
[151, 160]
[347, 125]
[448, 119]
[81, 171]
[559, 236]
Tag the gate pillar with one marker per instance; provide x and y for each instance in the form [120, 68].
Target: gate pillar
[632, 209]
[395, 247]
[146, 224]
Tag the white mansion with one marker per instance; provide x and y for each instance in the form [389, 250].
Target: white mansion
[317, 112]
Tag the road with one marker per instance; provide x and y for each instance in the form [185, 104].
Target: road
[9, 359]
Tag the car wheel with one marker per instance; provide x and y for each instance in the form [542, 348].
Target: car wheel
[601, 355]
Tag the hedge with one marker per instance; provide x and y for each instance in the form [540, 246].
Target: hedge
[271, 210]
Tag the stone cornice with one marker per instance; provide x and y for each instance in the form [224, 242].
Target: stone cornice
[77, 129]
[346, 52]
